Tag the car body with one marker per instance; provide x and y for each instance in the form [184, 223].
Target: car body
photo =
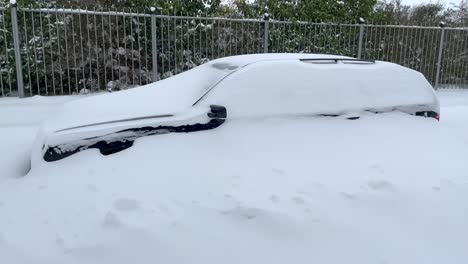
[247, 86]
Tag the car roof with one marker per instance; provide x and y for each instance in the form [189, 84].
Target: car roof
[244, 60]
[324, 85]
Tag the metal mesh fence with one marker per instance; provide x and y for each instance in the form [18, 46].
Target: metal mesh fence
[454, 66]
[314, 38]
[68, 51]
[186, 42]
[7, 61]
[414, 47]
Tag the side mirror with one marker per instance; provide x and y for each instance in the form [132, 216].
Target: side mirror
[217, 111]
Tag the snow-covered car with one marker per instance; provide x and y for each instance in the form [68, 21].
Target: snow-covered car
[248, 86]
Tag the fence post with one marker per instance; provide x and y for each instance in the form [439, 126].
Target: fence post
[266, 38]
[16, 44]
[361, 35]
[439, 58]
[154, 46]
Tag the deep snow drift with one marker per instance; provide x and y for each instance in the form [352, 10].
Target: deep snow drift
[387, 188]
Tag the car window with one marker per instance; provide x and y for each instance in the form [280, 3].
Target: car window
[198, 80]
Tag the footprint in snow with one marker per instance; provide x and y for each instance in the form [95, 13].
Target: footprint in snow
[111, 221]
[278, 171]
[381, 185]
[126, 204]
[298, 200]
[377, 168]
[91, 188]
[244, 212]
[59, 241]
[348, 196]
[274, 199]
[305, 193]
[164, 209]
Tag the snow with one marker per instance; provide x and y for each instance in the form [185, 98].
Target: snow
[30, 111]
[21, 118]
[387, 188]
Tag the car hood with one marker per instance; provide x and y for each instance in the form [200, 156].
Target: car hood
[167, 97]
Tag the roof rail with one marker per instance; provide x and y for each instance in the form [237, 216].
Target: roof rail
[336, 60]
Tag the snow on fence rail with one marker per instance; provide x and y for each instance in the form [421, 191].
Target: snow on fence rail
[65, 51]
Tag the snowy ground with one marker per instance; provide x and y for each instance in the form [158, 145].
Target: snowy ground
[387, 188]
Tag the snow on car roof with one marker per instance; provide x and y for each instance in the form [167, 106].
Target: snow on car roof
[243, 60]
[325, 86]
